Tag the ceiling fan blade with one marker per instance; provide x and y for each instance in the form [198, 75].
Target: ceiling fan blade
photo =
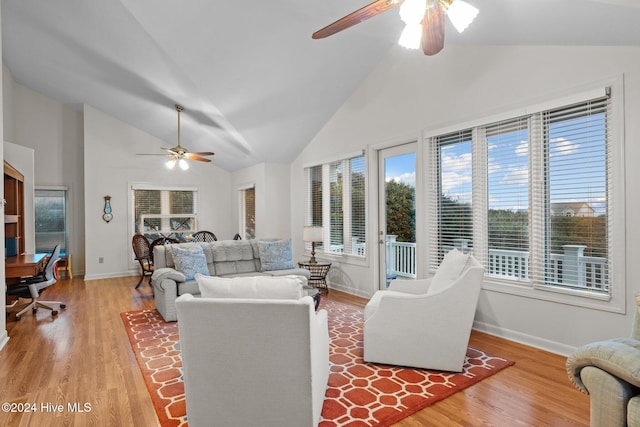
[433, 30]
[362, 14]
[193, 156]
[204, 153]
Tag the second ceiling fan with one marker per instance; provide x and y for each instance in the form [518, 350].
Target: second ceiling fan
[424, 21]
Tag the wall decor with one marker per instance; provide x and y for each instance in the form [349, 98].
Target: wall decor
[107, 215]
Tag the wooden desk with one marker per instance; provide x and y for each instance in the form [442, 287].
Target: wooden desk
[23, 265]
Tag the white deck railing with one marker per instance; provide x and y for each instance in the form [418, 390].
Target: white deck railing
[570, 268]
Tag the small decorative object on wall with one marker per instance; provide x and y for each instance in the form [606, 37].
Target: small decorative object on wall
[107, 216]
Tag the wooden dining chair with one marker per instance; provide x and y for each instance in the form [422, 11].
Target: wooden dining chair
[143, 252]
[204, 236]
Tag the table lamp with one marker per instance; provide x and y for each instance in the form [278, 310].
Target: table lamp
[312, 234]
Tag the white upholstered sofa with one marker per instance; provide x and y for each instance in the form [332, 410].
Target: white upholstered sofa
[253, 361]
[223, 258]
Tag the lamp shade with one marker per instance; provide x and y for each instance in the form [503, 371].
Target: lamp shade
[312, 234]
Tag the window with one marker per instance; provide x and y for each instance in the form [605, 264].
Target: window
[455, 221]
[51, 219]
[507, 146]
[164, 212]
[248, 212]
[336, 201]
[531, 197]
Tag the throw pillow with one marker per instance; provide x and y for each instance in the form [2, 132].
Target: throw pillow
[449, 270]
[275, 255]
[190, 260]
[257, 287]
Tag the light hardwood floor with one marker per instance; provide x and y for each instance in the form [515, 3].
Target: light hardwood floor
[83, 356]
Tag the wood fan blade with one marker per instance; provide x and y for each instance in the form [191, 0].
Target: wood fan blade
[204, 153]
[362, 14]
[433, 30]
[193, 156]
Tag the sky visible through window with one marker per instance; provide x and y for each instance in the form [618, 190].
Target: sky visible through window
[577, 167]
[401, 169]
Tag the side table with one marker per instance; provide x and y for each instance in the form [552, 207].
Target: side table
[319, 271]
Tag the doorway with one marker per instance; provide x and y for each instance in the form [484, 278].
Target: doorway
[397, 213]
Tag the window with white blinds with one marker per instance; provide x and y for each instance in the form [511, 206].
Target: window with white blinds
[507, 147]
[576, 196]
[453, 199]
[530, 196]
[164, 212]
[336, 201]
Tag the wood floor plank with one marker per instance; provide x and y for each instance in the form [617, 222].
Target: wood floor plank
[83, 356]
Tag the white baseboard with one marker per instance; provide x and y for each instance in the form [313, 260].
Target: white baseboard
[110, 275]
[4, 339]
[348, 290]
[530, 340]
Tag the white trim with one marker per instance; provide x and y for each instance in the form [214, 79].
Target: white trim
[51, 187]
[526, 339]
[148, 186]
[246, 186]
[562, 99]
[335, 159]
[4, 339]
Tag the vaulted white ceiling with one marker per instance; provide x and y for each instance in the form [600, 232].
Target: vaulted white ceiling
[255, 86]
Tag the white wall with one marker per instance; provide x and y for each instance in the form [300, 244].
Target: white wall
[111, 166]
[54, 132]
[272, 198]
[409, 92]
[22, 159]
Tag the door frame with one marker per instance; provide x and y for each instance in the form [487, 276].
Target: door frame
[380, 233]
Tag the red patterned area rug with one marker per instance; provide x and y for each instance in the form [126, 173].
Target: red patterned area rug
[359, 394]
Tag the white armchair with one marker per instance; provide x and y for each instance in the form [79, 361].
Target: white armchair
[425, 323]
[253, 362]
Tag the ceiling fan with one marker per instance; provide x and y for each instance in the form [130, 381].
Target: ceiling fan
[179, 154]
[424, 21]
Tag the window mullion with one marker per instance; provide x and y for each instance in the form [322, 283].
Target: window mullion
[346, 207]
[539, 199]
[479, 195]
[326, 206]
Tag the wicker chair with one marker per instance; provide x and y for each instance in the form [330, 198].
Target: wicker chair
[143, 252]
[204, 236]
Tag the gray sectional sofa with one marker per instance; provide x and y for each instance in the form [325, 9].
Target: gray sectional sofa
[224, 258]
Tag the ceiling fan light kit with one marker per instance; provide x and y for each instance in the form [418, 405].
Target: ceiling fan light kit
[424, 21]
[180, 155]
[417, 14]
[460, 13]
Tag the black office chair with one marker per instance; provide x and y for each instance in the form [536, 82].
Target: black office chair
[31, 287]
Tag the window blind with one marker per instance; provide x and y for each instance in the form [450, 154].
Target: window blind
[336, 201]
[531, 196]
[576, 197]
[451, 200]
[168, 213]
[358, 235]
[507, 181]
